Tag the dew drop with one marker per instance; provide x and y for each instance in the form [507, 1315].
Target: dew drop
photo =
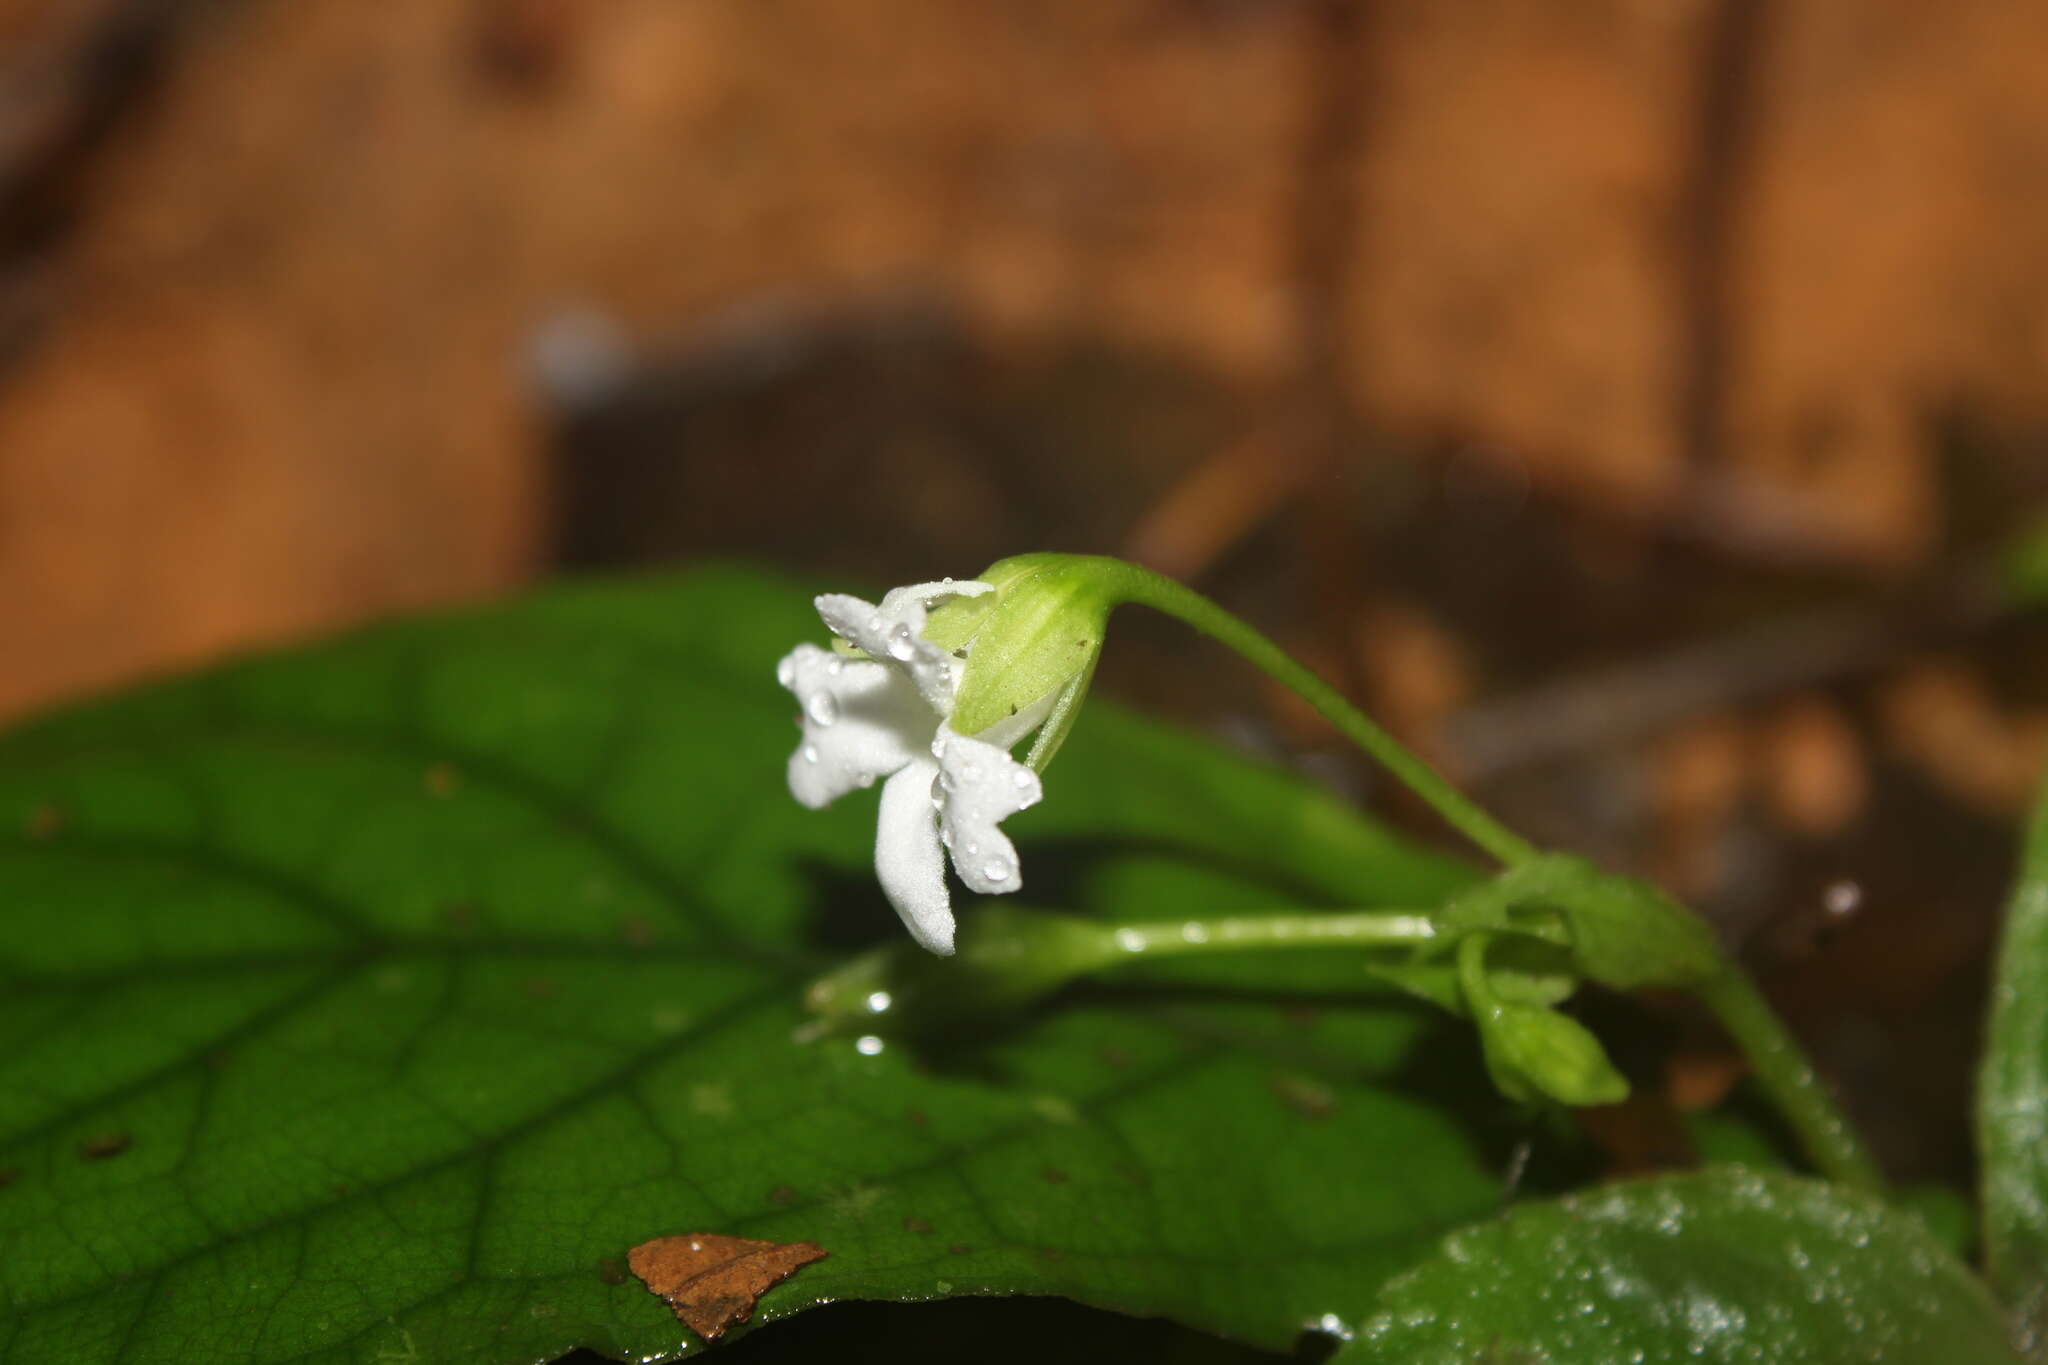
[785, 672]
[821, 708]
[1194, 933]
[996, 870]
[868, 1045]
[878, 1002]
[972, 849]
[810, 753]
[836, 667]
[1021, 779]
[874, 623]
[1130, 940]
[901, 647]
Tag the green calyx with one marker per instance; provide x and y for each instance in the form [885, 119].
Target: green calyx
[1037, 636]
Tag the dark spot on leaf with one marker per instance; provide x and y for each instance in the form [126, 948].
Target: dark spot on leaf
[712, 1281]
[1115, 1057]
[9, 1175]
[103, 1146]
[441, 779]
[1053, 1175]
[1305, 1095]
[918, 1118]
[637, 930]
[44, 822]
[958, 1249]
[538, 987]
[1051, 1254]
[611, 1270]
[782, 1194]
[461, 916]
[216, 1058]
[916, 1225]
[1302, 1016]
[342, 1190]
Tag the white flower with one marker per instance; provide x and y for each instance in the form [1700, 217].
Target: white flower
[886, 716]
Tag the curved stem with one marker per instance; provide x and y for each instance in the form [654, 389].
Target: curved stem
[1788, 1078]
[1133, 584]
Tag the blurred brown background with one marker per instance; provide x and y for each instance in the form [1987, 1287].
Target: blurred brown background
[1622, 395]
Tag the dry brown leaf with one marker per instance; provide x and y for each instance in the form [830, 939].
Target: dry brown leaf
[712, 1281]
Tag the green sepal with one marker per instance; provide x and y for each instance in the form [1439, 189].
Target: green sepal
[1042, 631]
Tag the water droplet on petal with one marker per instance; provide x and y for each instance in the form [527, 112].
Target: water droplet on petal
[973, 849]
[1021, 779]
[901, 646]
[996, 870]
[822, 708]
[810, 753]
[939, 748]
[836, 667]
[874, 623]
[785, 672]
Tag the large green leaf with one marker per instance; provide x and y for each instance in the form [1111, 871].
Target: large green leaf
[1728, 1266]
[2012, 1116]
[370, 1002]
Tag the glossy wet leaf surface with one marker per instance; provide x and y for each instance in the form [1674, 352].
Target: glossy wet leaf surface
[2012, 1126]
[1728, 1266]
[371, 1002]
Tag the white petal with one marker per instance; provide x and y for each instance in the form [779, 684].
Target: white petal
[893, 633]
[861, 721]
[924, 594]
[980, 785]
[907, 858]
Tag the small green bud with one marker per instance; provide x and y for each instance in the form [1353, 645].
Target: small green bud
[1531, 1050]
[1035, 638]
[1536, 1053]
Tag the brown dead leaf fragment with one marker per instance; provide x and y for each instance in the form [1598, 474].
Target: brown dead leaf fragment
[712, 1281]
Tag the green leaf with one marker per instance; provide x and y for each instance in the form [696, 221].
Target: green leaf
[1726, 1265]
[368, 1003]
[2012, 1101]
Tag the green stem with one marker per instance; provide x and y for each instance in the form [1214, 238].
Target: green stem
[1788, 1078]
[1354, 929]
[1129, 583]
